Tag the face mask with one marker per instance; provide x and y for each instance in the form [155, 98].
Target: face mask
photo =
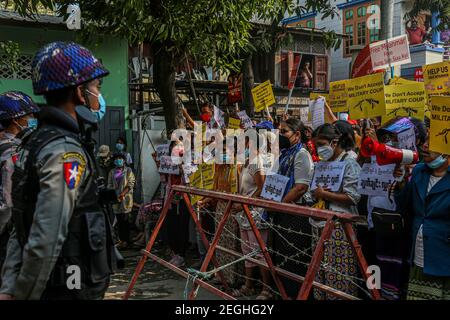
[118, 162]
[436, 163]
[32, 123]
[284, 142]
[100, 113]
[205, 117]
[120, 146]
[325, 152]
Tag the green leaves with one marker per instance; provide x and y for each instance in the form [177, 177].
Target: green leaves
[11, 51]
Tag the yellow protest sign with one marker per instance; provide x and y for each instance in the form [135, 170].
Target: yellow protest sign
[234, 123]
[263, 96]
[400, 81]
[440, 124]
[436, 78]
[233, 179]
[196, 182]
[338, 96]
[207, 171]
[405, 100]
[366, 96]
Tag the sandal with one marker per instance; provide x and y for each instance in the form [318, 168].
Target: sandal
[265, 295]
[244, 291]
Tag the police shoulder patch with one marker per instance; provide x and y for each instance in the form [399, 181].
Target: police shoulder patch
[73, 165]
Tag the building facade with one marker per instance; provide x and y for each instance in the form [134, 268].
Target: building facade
[359, 19]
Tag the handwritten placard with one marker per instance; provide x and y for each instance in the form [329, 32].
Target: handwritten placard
[407, 139]
[375, 180]
[162, 150]
[218, 117]
[234, 123]
[167, 166]
[274, 187]
[316, 108]
[245, 119]
[328, 175]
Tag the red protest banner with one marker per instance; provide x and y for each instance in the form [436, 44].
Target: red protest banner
[234, 88]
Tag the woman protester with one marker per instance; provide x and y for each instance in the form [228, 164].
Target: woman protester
[291, 240]
[122, 179]
[425, 200]
[251, 181]
[332, 143]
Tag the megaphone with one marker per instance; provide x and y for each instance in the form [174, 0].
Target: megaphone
[386, 154]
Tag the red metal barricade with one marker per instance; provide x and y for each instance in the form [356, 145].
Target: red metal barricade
[308, 282]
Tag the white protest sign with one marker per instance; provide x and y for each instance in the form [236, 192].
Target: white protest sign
[393, 52]
[245, 119]
[162, 150]
[167, 166]
[328, 175]
[375, 180]
[407, 139]
[274, 187]
[316, 108]
[188, 170]
[218, 117]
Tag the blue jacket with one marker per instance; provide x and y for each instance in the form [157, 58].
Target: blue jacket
[433, 211]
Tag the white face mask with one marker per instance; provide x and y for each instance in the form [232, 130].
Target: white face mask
[325, 152]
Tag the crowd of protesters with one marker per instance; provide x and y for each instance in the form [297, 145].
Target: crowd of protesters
[414, 257]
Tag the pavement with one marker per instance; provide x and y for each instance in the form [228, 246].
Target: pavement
[155, 281]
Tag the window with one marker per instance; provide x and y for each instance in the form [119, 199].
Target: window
[361, 11]
[357, 23]
[349, 41]
[362, 33]
[374, 35]
[349, 14]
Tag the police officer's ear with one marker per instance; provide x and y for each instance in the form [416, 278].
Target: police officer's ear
[80, 96]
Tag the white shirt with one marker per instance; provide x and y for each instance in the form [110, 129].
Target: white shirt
[418, 249]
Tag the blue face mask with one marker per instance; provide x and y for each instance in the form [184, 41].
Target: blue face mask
[120, 146]
[32, 123]
[436, 163]
[118, 162]
[100, 113]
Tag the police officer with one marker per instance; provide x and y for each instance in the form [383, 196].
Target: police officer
[16, 116]
[61, 246]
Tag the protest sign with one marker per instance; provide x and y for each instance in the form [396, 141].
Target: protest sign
[406, 100]
[436, 78]
[338, 96]
[263, 96]
[399, 126]
[375, 180]
[274, 187]
[234, 123]
[162, 150]
[245, 119]
[196, 182]
[407, 139]
[218, 117]
[440, 124]
[366, 96]
[166, 165]
[317, 111]
[207, 171]
[234, 88]
[315, 95]
[188, 170]
[328, 175]
[390, 52]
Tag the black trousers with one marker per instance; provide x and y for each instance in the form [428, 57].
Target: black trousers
[178, 228]
[123, 226]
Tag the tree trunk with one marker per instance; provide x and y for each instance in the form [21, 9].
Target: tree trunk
[164, 80]
[249, 82]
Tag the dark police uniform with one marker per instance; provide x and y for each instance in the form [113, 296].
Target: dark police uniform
[58, 222]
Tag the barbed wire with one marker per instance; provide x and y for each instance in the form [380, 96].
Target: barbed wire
[326, 267]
